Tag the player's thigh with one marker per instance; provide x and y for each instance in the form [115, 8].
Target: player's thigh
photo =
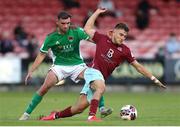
[49, 81]
[94, 78]
[98, 85]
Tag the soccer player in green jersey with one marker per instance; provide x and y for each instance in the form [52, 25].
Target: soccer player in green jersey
[67, 62]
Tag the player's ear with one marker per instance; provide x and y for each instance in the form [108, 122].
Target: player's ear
[110, 33]
[57, 21]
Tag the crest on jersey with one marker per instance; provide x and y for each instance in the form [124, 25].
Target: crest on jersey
[70, 38]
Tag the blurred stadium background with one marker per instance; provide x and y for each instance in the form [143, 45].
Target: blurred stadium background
[154, 39]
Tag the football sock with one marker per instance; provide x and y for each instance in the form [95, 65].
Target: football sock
[65, 113]
[101, 103]
[93, 107]
[35, 101]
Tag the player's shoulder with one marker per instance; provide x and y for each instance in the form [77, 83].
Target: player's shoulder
[125, 47]
[101, 35]
[52, 33]
[73, 27]
[76, 28]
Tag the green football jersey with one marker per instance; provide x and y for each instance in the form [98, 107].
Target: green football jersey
[65, 47]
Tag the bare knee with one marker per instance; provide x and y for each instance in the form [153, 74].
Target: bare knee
[98, 86]
[101, 88]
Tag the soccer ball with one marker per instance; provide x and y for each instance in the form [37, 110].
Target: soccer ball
[128, 112]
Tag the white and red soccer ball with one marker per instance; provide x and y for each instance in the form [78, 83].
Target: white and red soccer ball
[128, 112]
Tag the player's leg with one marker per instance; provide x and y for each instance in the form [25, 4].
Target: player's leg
[74, 72]
[83, 102]
[99, 87]
[101, 103]
[104, 111]
[50, 80]
[96, 81]
[79, 107]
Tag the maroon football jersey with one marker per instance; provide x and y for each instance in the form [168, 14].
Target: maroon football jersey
[108, 56]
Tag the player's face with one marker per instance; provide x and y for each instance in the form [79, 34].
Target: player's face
[63, 24]
[118, 36]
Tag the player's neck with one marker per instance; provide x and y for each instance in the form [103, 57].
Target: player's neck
[117, 44]
[60, 31]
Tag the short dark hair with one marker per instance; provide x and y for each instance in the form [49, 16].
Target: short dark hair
[122, 26]
[63, 15]
[172, 34]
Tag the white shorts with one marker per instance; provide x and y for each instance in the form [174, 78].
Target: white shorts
[63, 72]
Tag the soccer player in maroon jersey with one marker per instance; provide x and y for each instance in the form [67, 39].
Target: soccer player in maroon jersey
[110, 53]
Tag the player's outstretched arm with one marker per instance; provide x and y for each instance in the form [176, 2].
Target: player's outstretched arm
[140, 68]
[40, 57]
[89, 26]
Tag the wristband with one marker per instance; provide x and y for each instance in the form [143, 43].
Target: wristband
[154, 79]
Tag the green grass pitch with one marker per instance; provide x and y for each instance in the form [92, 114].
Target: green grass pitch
[155, 109]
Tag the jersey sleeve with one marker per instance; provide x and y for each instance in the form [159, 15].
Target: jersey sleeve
[82, 34]
[129, 56]
[44, 48]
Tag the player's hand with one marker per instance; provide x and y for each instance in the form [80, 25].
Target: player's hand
[101, 10]
[60, 83]
[28, 76]
[157, 82]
